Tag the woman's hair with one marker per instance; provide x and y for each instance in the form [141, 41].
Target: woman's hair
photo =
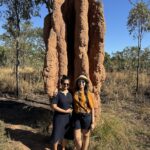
[64, 77]
[86, 87]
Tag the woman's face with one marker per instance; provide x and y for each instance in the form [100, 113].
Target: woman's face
[65, 85]
[81, 84]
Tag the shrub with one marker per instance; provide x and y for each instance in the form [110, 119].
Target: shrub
[112, 134]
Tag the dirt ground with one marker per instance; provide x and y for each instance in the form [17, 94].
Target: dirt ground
[27, 128]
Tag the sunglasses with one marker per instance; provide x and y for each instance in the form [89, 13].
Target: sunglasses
[66, 84]
[81, 81]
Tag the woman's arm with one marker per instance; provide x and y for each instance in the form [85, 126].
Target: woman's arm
[93, 119]
[91, 102]
[93, 116]
[56, 108]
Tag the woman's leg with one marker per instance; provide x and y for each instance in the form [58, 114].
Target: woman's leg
[86, 139]
[64, 144]
[78, 139]
[55, 146]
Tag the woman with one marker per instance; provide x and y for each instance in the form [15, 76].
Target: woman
[83, 113]
[62, 105]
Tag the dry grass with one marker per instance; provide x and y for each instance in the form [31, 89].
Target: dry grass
[121, 87]
[3, 137]
[125, 116]
[30, 81]
[112, 134]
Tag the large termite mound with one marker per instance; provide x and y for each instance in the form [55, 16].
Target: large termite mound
[74, 38]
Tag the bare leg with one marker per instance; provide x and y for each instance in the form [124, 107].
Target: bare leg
[86, 139]
[78, 139]
[64, 144]
[55, 146]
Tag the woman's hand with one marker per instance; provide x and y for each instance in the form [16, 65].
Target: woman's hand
[56, 108]
[69, 110]
[92, 126]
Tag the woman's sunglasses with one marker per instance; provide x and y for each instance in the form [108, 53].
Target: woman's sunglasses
[66, 84]
[81, 81]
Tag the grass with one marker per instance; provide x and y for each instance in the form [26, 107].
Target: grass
[30, 81]
[112, 134]
[5, 142]
[3, 137]
[121, 86]
[125, 116]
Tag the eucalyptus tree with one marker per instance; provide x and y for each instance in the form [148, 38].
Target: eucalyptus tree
[107, 62]
[145, 60]
[3, 56]
[31, 47]
[130, 55]
[15, 12]
[139, 23]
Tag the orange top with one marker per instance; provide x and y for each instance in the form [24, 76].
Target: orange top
[81, 105]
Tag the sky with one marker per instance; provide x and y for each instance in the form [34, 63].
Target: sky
[117, 36]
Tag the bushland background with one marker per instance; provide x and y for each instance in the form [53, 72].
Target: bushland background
[125, 116]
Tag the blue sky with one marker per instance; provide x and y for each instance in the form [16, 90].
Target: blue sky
[117, 36]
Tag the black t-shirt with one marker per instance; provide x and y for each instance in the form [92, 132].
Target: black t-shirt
[63, 101]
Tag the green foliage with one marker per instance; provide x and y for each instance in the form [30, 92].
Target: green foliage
[108, 62]
[139, 19]
[127, 60]
[17, 11]
[145, 59]
[3, 56]
[138, 24]
[32, 48]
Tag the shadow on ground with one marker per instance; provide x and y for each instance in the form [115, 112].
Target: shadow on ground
[33, 141]
[19, 117]
[16, 113]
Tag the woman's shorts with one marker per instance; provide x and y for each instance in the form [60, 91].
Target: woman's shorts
[82, 121]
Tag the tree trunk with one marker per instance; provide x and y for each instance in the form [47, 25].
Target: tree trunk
[17, 68]
[138, 61]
